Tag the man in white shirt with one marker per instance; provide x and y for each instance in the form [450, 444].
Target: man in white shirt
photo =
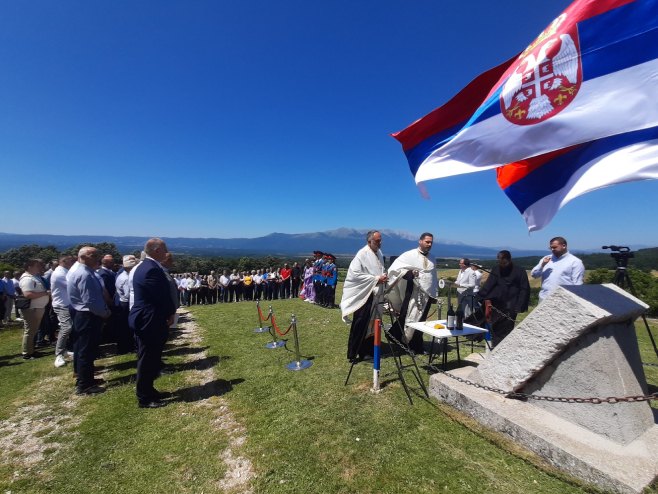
[62, 307]
[224, 284]
[560, 268]
[125, 338]
[34, 288]
[466, 281]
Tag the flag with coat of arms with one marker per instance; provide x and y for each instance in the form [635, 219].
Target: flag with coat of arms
[575, 111]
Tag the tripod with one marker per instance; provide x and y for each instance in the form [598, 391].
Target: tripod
[623, 280]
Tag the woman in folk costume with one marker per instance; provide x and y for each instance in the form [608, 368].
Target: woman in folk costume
[362, 294]
[308, 292]
[413, 283]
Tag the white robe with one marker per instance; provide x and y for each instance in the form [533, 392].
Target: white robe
[361, 280]
[426, 286]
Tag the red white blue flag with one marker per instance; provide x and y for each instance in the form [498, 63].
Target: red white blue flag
[591, 74]
[540, 186]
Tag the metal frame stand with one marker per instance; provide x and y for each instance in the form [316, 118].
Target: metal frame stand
[397, 353]
[622, 279]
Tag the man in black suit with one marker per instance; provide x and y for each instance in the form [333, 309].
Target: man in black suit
[150, 317]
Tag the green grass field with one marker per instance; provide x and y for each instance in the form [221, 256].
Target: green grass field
[239, 421]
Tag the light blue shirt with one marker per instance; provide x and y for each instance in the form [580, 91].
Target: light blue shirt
[85, 291]
[564, 270]
[9, 287]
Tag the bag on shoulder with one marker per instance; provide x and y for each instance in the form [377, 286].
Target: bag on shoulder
[22, 302]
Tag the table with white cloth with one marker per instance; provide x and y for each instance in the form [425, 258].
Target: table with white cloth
[427, 327]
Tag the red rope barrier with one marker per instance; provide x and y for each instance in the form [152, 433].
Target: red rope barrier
[260, 314]
[276, 328]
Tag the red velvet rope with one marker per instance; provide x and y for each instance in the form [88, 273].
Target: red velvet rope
[260, 314]
[276, 328]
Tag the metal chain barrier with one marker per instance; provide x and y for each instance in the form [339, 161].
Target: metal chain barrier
[523, 396]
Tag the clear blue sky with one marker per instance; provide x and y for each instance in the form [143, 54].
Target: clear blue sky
[211, 118]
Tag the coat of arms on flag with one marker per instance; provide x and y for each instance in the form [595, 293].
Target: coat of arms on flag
[574, 112]
[546, 78]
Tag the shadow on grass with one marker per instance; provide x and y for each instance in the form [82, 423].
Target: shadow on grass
[9, 357]
[199, 364]
[120, 381]
[216, 387]
[184, 350]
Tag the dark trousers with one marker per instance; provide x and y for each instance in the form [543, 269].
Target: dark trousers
[319, 296]
[149, 355]
[87, 332]
[125, 336]
[225, 293]
[212, 294]
[357, 344]
[295, 287]
[330, 296]
[285, 289]
[501, 325]
[48, 326]
[203, 295]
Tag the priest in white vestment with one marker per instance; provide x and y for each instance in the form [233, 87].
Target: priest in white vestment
[362, 294]
[412, 284]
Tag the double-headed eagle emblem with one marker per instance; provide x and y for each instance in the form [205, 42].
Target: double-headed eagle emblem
[544, 81]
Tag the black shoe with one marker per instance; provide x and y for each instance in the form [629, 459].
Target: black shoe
[151, 404]
[90, 390]
[29, 357]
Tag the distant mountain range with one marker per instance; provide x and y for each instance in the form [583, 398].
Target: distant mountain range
[341, 242]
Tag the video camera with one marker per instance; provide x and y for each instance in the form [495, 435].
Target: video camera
[620, 253]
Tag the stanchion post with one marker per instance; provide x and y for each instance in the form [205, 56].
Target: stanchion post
[260, 328]
[377, 356]
[275, 343]
[299, 363]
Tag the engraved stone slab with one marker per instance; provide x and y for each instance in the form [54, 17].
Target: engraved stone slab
[562, 318]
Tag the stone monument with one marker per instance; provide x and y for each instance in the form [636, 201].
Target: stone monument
[580, 342]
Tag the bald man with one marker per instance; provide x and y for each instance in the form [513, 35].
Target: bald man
[85, 292]
[150, 317]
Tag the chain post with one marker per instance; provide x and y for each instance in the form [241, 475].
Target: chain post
[299, 363]
[275, 343]
[260, 328]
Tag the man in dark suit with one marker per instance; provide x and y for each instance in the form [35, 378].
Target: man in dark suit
[150, 317]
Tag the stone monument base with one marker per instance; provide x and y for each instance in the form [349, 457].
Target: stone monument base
[578, 451]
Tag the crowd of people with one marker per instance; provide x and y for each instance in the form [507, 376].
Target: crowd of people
[410, 285]
[238, 286]
[315, 283]
[79, 301]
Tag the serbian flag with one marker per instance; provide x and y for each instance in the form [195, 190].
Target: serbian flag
[540, 186]
[591, 74]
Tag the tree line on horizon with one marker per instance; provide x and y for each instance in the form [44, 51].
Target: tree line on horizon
[600, 267]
